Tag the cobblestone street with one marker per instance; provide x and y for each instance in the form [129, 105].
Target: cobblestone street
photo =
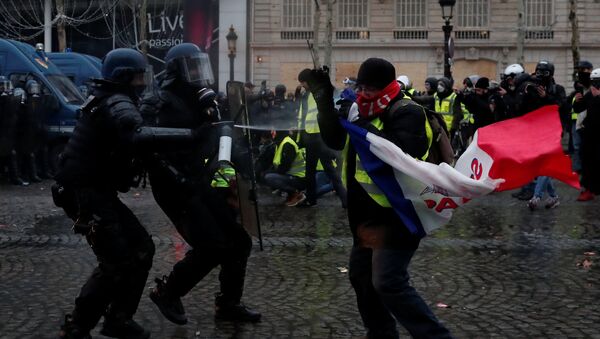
[502, 270]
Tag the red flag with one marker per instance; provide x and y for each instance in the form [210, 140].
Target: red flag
[526, 147]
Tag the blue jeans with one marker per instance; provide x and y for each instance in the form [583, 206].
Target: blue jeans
[544, 184]
[383, 293]
[324, 185]
[285, 182]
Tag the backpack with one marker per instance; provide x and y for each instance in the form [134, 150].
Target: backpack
[440, 149]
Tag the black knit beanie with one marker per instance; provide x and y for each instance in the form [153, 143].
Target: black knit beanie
[376, 72]
[483, 82]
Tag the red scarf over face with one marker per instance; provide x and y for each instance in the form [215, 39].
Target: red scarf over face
[371, 108]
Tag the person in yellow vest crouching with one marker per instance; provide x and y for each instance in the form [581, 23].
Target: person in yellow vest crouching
[289, 175]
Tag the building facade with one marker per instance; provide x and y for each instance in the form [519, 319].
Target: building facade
[409, 34]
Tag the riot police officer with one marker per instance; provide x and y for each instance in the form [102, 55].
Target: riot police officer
[181, 186]
[11, 106]
[98, 161]
[31, 125]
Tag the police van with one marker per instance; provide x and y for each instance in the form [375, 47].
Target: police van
[21, 62]
[80, 68]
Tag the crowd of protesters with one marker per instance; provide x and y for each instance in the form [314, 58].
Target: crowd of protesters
[301, 152]
[475, 102]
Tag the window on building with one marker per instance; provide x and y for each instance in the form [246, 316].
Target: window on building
[353, 13]
[411, 13]
[472, 13]
[538, 13]
[297, 14]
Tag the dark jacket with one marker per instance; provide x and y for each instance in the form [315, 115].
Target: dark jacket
[405, 127]
[101, 151]
[590, 145]
[479, 106]
[175, 105]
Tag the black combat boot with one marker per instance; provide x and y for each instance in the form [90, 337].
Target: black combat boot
[123, 328]
[69, 330]
[13, 170]
[227, 309]
[169, 305]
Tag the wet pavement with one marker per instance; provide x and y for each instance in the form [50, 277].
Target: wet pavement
[501, 270]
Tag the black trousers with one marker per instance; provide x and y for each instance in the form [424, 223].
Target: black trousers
[384, 295]
[317, 150]
[124, 251]
[208, 224]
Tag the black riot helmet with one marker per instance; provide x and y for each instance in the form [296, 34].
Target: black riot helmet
[189, 64]
[122, 64]
[544, 69]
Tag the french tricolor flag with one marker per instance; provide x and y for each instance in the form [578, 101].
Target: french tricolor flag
[502, 156]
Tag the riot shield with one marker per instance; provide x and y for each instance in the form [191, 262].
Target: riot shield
[243, 160]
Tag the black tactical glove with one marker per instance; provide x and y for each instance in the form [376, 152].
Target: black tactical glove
[208, 103]
[320, 86]
[206, 96]
[344, 109]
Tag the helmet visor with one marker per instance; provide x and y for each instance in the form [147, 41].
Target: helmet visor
[197, 70]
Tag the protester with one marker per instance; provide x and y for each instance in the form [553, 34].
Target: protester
[509, 90]
[383, 246]
[590, 147]
[310, 138]
[582, 86]
[289, 171]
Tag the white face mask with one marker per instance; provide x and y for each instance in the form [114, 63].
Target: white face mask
[441, 89]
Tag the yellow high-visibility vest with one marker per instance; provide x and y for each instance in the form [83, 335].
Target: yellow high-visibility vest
[298, 167]
[573, 113]
[310, 123]
[467, 116]
[361, 175]
[445, 107]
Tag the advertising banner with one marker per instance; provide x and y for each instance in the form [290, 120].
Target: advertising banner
[168, 23]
